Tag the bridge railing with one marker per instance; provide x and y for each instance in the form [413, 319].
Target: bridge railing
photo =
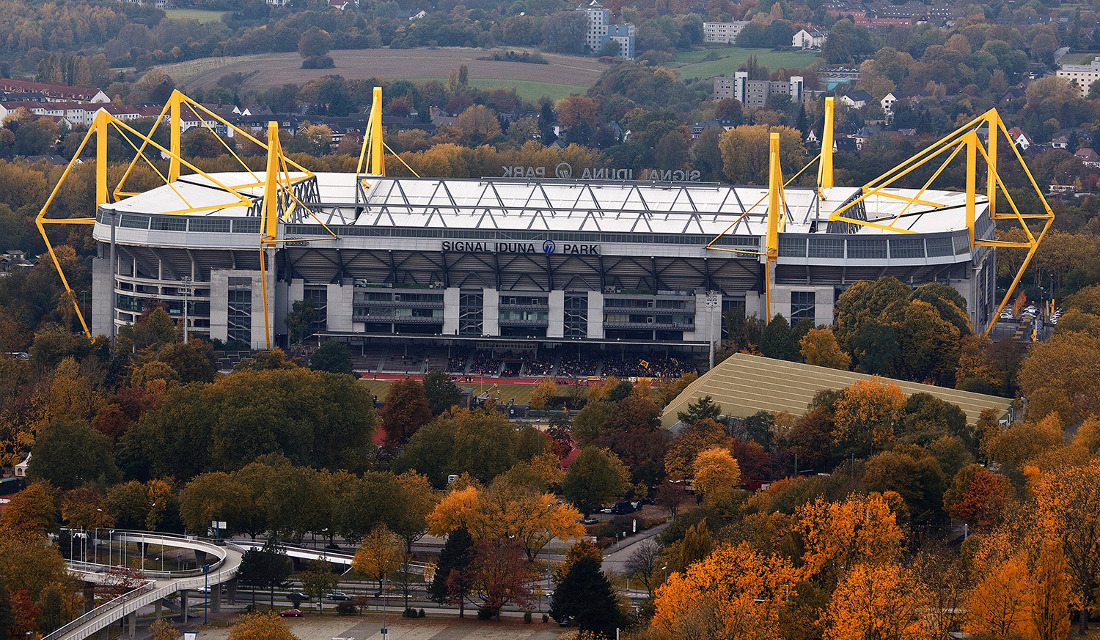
[149, 591]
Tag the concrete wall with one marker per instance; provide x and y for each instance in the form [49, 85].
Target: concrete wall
[490, 318]
[595, 314]
[555, 327]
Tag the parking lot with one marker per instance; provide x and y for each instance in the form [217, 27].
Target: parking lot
[327, 627]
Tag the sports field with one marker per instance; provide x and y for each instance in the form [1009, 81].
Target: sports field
[691, 64]
[519, 393]
[201, 15]
[561, 77]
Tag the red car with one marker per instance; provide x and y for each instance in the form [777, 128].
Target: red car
[291, 613]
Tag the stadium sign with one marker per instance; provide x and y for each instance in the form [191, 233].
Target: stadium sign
[549, 247]
[564, 171]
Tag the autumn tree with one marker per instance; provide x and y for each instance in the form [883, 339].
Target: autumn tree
[1069, 362]
[745, 151]
[379, 554]
[997, 604]
[717, 476]
[819, 347]
[163, 630]
[266, 567]
[543, 391]
[735, 592]
[642, 565]
[406, 409]
[1050, 595]
[501, 575]
[694, 438]
[865, 415]
[32, 510]
[530, 518]
[1068, 501]
[261, 626]
[876, 601]
[317, 580]
[862, 303]
[977, 496]
[837, 535]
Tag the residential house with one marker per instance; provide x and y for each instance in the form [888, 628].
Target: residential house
[1019, 138]
[700, 127]
[54, 92]
[1060, 142]
[809, 39]
[1081, 75]
[600, 31]
[1088, 157]
[856, 99]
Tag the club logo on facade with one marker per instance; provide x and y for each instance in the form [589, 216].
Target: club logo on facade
[564, 170]
[549, 247]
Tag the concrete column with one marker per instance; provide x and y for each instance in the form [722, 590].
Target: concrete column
[595, 314]
[131, 621]
[450, 310]
[490, 310]
[105, 634]
[103, 297]
[231, 591]
[555, 327]
[89, 597]
[216, 598]
[158, 606]
[183, 606]
[340, 301]
[219, 304]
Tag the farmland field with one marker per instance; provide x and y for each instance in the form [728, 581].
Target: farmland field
[201, 15]
[564, 74]
[691, 64]
[527, 89]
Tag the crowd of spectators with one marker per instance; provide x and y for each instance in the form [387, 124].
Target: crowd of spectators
[647, 365]
[568, 363]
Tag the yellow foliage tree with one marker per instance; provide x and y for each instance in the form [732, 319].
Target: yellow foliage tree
[261, 626]
[379, 554]
[837, 535]
[745, 151]
[717, 475]
[819, 347]
[505, 510]
[876, 601]
[543, 391]
[734, 593]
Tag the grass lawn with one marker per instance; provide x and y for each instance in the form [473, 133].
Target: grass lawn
[521, 393]
[529, 90]
[691, 65]
[202, 15]
[1079, 58]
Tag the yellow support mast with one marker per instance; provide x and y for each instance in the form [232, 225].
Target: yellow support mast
[269, 236]
[373, 142]
[174, 133]
[825, 165]
[775, 218]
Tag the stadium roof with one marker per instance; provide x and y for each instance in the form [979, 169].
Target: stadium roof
[558, 205]
[745, 384]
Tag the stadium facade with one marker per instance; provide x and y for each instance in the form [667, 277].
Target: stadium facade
[519, 261]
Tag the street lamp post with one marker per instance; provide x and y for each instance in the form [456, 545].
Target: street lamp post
[205, 592]
[712, 303]
[186, 298]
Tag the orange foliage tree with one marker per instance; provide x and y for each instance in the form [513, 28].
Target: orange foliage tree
[866, 413]
[837, 535]
[876, 601]
[736, 592]
[1068, 501]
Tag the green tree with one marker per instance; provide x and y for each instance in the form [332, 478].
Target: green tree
[71, 454]
[302, 313]
[594, 477]
[863, 302]
[776, 341]
[332, 356]
[441, 391]
[451, 580]
[319, 580]
[267, 567]
[702, 409]
[586, 596]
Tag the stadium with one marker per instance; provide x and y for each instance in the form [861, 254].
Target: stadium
[437, 267]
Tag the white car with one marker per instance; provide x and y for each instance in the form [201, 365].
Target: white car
[1007, 315]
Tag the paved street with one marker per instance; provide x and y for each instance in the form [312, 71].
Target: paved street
[369, 628]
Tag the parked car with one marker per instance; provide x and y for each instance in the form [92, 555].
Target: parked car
[296, 595]
[291, 613]
[623, 507]
[338, 595]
